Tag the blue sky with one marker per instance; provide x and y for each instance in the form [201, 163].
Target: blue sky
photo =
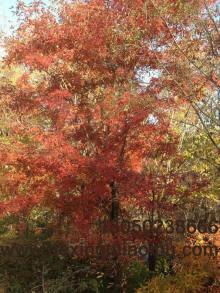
[6, 15]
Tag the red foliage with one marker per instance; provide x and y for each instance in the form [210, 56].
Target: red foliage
[91, 115]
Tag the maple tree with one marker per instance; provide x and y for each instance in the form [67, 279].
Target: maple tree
[92, 139]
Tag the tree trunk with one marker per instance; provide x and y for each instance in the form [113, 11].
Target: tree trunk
[115, 203]
[152, 257]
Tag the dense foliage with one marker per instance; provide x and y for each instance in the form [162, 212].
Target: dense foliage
[109, 113]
